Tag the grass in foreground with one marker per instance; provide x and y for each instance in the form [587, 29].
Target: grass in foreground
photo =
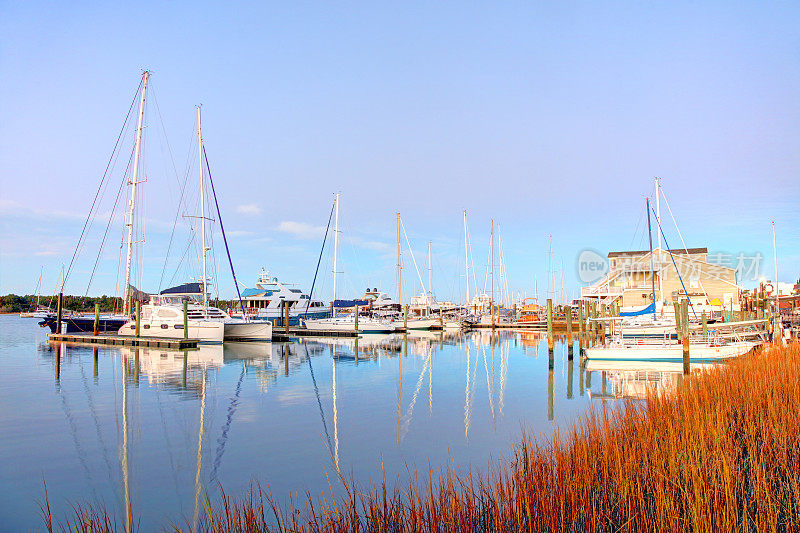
[721, 454]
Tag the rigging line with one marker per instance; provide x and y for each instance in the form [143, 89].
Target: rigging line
[177, 214]
[185, 254]
[93, 410]
[105, 233]
[105, 175]
[414, 260]
[226, 427]
[314, 282]
[672, 256]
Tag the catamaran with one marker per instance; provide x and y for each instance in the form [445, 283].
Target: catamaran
[163, 316]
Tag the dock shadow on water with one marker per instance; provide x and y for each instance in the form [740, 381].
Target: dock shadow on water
[150, 434]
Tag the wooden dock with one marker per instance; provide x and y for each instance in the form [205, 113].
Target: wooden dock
[123, 340]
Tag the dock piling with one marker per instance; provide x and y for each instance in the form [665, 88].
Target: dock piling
[60, 303]
[356, 321]
[185, 321]
[96, 318]
[685, 334]
[138, 317]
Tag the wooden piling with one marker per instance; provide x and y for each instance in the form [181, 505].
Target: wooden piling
[356, 320]
[405, 317]
[185, 319]
[286, 317]
[705, 326]
[138, 317]
[59, 311]
[678, 316]
[685, 334]
[550, 324]
[96, 318]
[569, 323]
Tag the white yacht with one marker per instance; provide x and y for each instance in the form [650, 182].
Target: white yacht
[267, 299]
[163, 317]
[347, 322]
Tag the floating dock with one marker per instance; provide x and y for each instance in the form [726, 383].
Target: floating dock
[123, 340]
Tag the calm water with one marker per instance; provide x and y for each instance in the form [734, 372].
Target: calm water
[101, 431]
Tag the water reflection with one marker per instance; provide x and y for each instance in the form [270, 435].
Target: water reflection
[284, 414]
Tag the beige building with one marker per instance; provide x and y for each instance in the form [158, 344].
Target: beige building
[629, 279]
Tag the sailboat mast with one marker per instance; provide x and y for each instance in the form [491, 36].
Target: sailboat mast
[491, 245]
[335, 248]
[203, 248]
[430, 275]
[652, 270]
[399, 266]
[658, 220]
[39, 285]
[132, 203]
[466, 253]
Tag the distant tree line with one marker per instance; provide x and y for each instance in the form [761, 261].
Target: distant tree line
[14, 303]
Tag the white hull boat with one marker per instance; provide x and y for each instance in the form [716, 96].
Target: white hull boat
[347, 323]
[239, 330]
[423, 323]
[165, 321]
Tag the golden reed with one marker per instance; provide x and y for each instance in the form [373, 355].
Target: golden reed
[720, 454]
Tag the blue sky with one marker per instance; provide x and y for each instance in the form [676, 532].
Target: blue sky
[550, 118]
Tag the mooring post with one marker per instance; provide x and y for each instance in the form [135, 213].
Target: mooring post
[705, 327]
[405, 317]
[678, 316]
[286, 316]
[356, 320]
[96, 318]
[568, 317]
[185, 330]
[685, 334]
[138, 320]
[60, 303]
[550, 324]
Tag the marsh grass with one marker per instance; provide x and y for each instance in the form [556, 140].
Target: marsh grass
[720, 454]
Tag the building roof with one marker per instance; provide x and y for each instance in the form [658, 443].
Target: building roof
[637, 253]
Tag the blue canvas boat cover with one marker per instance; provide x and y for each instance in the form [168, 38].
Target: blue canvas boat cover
[650, 309]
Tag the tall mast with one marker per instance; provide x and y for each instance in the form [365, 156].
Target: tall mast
[658, 221]
[203, 248]
[132, 203]
[39, 286]
[466, 253]
[551, 278]
[491, 245]
[399, 266]
[335, 248]
[430, 275]
[652, 270]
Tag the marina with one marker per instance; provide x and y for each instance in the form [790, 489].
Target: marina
[400, 267]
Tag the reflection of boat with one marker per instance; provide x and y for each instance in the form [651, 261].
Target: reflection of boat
[161, 365]
[665, 352]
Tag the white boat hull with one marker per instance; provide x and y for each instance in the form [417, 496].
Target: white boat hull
[244, 331]
[365, 325]
[423, 323]
[202, 330]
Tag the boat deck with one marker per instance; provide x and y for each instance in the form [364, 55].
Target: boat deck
[122, 340]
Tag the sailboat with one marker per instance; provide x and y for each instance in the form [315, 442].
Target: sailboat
[111, 322]
[638, 348]
[348, 322]
[163, 315]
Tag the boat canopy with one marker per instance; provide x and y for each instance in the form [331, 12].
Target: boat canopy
[650, 309]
